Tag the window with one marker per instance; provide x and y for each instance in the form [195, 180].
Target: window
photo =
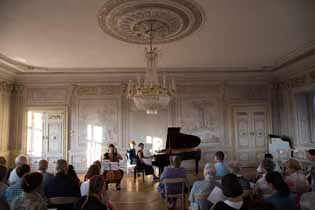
[94, 143]
[35, 133]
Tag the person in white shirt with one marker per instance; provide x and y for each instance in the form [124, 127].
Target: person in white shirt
[261, 185]
[93, 170]
[19, 161]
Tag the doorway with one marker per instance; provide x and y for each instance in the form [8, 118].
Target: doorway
[46, 136]
[250, 130]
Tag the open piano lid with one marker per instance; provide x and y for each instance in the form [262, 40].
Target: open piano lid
[177, 140]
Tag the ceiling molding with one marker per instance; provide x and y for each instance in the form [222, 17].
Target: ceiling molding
[15, 67]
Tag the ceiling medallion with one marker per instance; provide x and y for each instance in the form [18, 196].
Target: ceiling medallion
[130, 20]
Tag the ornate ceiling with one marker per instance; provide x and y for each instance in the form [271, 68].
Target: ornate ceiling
[197, 36]
[130, 20]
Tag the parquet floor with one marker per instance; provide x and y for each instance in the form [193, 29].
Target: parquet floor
[143, 195]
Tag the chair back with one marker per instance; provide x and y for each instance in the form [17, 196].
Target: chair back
[178, 182]
[62, 200]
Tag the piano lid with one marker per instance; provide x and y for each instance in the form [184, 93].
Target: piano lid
[177, 140]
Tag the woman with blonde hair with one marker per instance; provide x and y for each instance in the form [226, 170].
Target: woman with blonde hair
[296, 180]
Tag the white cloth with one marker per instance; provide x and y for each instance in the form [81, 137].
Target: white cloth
[84, 188]
[263, 186]
[234, 205]
[216, 195]
[13, 177]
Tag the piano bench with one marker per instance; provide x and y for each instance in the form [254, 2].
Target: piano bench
[136, 171]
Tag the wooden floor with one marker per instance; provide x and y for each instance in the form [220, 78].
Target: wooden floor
[143, 195]
[140, 195]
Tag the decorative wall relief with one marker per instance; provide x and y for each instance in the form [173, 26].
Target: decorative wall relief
[102, 114]
[41, 96]
[202, 113]
[245, 92]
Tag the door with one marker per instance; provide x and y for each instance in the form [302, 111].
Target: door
[250, 134]
[45, 136]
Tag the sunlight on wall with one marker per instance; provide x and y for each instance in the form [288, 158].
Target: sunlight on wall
[35, 133]
[155, 143]
[94, 143]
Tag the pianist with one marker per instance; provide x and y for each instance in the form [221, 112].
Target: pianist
[148, 169]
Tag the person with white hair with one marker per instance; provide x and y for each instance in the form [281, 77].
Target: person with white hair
[307, 201]
[19, 161]
[203, 187]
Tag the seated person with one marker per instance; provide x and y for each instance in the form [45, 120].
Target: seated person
[131, 153]
[62, 185]
[19, 160]
[73, 175]
[3, 184]
[175, 171]
[30, 199]
[204, 187]
[307, 201]
[113, 156]
[220, 167]
[94, 170]
[42, 168]
[281, 197]
[15, 189]
[261, 185]
[233, 192]
[3, 161]
[270, 157]
[148, 169]
[236, 169]
[95, 200]
[311, 170]
[296, 180]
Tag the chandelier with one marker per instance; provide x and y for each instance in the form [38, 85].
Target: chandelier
[149, 94]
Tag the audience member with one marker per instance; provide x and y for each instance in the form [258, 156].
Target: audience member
[296, 180]
[3, 161]
[141, 162]
[235, 168]
[19, 160]
[3, 185]
[281, 197]
[98, 163]
[203, 187]
[307, 201]
[113, 156]
[233, 191]
[15, 189]
[42, 168]
[95, 199]
[261, 206]
[261, 185]
[30, 199]
[62, 184]
[220, 167]
[131, 153]
[73, 175]
[175, 171]
[270, 157]
[93, 170]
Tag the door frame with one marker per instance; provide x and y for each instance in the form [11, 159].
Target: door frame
[46, 108]
[231, 123]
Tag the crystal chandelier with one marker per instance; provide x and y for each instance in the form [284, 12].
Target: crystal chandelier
[151, 95]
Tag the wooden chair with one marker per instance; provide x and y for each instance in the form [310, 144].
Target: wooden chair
[62, 202]
[180, 195]
[136, 171]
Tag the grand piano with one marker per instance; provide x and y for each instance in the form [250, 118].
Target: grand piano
[179, 144]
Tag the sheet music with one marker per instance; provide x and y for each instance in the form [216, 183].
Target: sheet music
[216, 195]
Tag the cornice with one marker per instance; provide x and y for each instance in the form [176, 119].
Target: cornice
[14, 68]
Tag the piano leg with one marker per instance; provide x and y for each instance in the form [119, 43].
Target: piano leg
[197, 167]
